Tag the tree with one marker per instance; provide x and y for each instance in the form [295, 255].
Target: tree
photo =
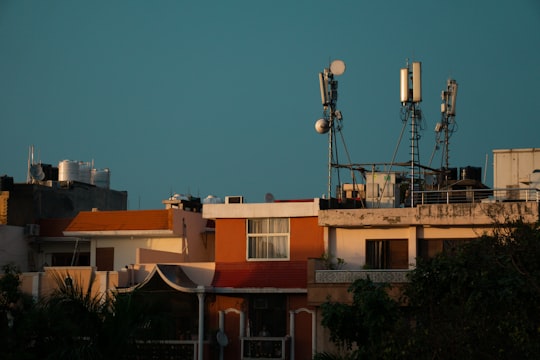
[367, 328]
[479, 301]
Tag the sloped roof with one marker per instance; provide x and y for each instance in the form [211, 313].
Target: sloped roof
[172, 276]
[257, 277]
[265, 274]
[113, 222]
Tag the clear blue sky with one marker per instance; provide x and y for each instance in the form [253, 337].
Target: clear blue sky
[220, 97]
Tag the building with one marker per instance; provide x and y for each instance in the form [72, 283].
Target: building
[260, 277]
[33, 215]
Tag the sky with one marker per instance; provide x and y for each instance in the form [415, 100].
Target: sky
[220, 97]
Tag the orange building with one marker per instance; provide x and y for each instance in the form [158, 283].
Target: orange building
[261, 277]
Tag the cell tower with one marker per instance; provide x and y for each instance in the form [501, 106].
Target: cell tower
[448, 121]
[411, 96]
[331, 120]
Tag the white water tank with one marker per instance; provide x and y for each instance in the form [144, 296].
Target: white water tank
[85, 169]
[101, 178]
[68, 170]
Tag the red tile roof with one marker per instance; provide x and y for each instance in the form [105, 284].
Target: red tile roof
[278, 274]
[122, 220]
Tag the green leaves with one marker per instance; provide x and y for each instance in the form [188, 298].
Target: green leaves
[479, 301]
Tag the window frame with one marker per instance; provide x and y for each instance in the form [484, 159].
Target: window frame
[268, 235]
[379, 253]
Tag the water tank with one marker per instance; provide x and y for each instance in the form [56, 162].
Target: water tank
[451, 173]
[101, 178]
[471, 173]
[211, 199]
[68, 170]
[85, 169]
[6, 183]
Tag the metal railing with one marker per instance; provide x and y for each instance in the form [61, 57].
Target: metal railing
[264, 347]
[476, 195]
[166, 349]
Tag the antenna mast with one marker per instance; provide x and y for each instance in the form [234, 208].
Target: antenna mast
[411, 96]
[328, 123]
[447, 124]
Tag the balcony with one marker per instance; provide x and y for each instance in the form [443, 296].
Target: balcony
[326, 284]
[349, 276]
[167, 349]
[476, 195]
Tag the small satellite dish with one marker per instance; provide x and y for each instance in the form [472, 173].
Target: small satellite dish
[337, 67]
[221, 338]
[269, 198]
[36, 172]
[322, 126]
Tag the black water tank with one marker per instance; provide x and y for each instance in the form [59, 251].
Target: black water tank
[6, 183]
[471, 173]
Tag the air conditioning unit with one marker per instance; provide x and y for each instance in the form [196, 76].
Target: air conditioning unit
[234, 199]
[31, 230]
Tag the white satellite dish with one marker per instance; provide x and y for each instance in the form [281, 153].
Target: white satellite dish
[337, 67]
[322, 126]
[221, 338]
[36, 172]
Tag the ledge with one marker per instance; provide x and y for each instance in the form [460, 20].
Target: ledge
[349, 276]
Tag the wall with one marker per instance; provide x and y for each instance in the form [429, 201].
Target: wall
[125, 249]
[306, 239]
[13, 246]
[199, 245]
[41, 284]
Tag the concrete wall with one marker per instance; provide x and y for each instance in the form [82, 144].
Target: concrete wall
[30, 202]
[13, 246]
[41, 284]
[466, 214]
[125, 248]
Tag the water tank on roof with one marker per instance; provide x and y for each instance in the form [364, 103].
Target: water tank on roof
[101, 178]
[211, 199]
[85, 169]
[471, 173]
[68, 170]
[6, 183]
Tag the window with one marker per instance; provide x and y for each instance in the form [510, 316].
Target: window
[428, 248]
[67, 259]
[268, 238]
[387, 254]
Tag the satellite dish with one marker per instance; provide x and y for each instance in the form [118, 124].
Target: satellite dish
[222, 338]
[269, 198]
[337, 67]
[36, 172]
[322, 126]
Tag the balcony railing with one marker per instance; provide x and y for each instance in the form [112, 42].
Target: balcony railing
[266, 347]
[476, 195]
[166, 349]
[349, 276]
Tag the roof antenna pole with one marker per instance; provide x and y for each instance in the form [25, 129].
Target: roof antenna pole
[328, 124]
[411, 96]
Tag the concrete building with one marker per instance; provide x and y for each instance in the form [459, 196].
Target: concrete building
[33, 215]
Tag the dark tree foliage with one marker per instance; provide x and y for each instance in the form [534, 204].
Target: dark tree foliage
[72, 323]
[368, 325]
[481, 301]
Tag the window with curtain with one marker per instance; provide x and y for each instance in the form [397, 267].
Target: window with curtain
[268, 238]
[387, 254]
